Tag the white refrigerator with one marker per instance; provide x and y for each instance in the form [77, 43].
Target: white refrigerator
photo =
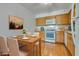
[76, 33]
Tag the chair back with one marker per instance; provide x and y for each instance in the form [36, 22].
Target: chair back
[13, 46]
[3, 45]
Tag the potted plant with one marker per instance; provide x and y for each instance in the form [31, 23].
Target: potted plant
[24, 32]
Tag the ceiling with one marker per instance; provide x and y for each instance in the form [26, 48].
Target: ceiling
[38, 8]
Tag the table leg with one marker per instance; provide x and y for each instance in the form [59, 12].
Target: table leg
[31, 49]
[39, 47]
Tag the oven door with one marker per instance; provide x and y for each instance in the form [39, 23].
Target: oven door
[50, 35]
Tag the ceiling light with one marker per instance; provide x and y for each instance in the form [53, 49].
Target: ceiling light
[45, 3]
[49, 4]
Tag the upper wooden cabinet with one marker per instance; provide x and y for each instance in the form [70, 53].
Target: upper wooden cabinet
[74, 12]
[62, 19]
[40, 21]
[70, 17]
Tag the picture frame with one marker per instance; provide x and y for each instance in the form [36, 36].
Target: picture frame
[15, 23]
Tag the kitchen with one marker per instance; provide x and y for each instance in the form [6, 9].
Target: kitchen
[56, 29]
[50, 28]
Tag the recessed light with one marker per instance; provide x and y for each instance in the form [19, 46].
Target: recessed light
[46, 4]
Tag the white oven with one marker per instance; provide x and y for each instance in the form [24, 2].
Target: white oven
[50, 35]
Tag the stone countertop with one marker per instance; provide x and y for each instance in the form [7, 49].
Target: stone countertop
[70, 32]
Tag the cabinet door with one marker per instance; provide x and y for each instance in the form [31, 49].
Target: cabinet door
[41, 35]
[60, 36]
[40, 21]
[62, 19]
[70, 17]
[70, 44]
[73, 10]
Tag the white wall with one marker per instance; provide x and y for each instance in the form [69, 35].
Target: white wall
[53, 13]
[15, 10]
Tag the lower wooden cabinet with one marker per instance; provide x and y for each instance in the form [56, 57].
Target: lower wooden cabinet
[59, 36]
[42, 36]
[70, 44]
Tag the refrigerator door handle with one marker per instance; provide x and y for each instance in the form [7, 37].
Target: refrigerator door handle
[75, 17]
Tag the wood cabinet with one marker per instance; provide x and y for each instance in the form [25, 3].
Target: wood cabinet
[70, 44]
[42, 36]
[74, 10]
[69, 17]
[60, 37]
[40, 21]
[62, 19]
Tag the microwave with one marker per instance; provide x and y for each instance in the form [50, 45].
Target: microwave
[50, 21]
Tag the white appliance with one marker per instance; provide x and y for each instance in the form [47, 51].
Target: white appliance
[76, 32]
[72, 23]
[50, 21]
[50, 34]
[50, 30]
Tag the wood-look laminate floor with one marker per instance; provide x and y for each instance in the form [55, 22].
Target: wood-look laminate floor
[53, 49]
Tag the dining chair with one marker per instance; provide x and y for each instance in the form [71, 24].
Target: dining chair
[14, 47]
[3, 45]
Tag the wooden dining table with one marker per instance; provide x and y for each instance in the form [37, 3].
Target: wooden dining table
[31, 42]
